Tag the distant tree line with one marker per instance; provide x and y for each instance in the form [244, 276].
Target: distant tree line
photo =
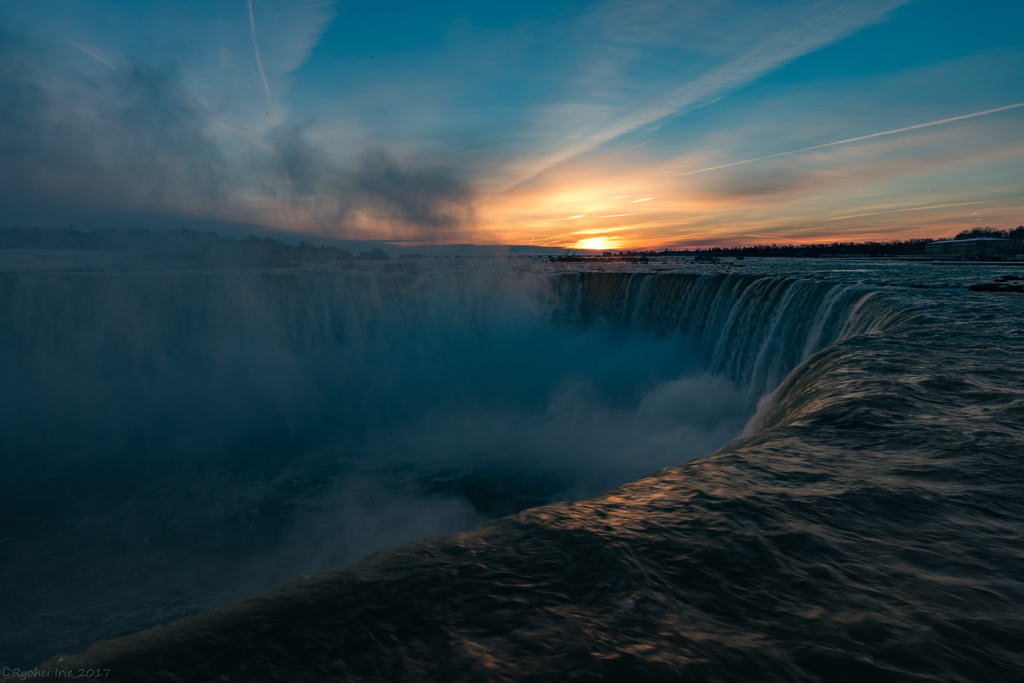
[910, 247]
[202, 249]
[1017, 234]
[189, 248]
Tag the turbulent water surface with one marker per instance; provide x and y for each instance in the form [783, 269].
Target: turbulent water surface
[174, 439]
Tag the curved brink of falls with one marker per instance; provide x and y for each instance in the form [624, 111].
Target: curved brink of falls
[837, 540]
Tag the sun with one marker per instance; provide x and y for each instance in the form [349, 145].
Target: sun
[597, 243]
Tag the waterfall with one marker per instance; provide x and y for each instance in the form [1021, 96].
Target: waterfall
[754, 329]
[288, 421]
[110, 361]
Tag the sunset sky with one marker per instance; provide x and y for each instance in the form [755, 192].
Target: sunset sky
[583, 124]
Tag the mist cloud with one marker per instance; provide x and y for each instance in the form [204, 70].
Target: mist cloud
[132, 140]
[83, 146]
[428, 204]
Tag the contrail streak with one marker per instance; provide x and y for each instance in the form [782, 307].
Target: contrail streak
[256, 50]
[93, 54]
[914, 208]
[863, 137]
[244, 137]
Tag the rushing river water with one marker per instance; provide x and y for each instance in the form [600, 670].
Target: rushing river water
[819, 471]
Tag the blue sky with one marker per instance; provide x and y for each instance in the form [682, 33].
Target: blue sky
[574, 123]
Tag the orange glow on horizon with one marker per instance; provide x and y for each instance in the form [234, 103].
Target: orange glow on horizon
[840, 194]
[597, 243]
[590, 213]
[615, 203]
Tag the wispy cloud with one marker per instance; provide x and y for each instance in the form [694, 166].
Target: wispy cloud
[858, 139]
[630, 149]
[251, 140]
[797, 35]
[95, 54]
[561, 107]
[256, 51]
[914, 208]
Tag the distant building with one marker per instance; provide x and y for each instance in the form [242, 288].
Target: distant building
[978, 246]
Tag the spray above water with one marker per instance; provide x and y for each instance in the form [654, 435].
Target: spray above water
[196, 436]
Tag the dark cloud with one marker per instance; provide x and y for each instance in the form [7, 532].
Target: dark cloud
[431, 199]
[132, 141]
[777, 184]
[428, 204]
